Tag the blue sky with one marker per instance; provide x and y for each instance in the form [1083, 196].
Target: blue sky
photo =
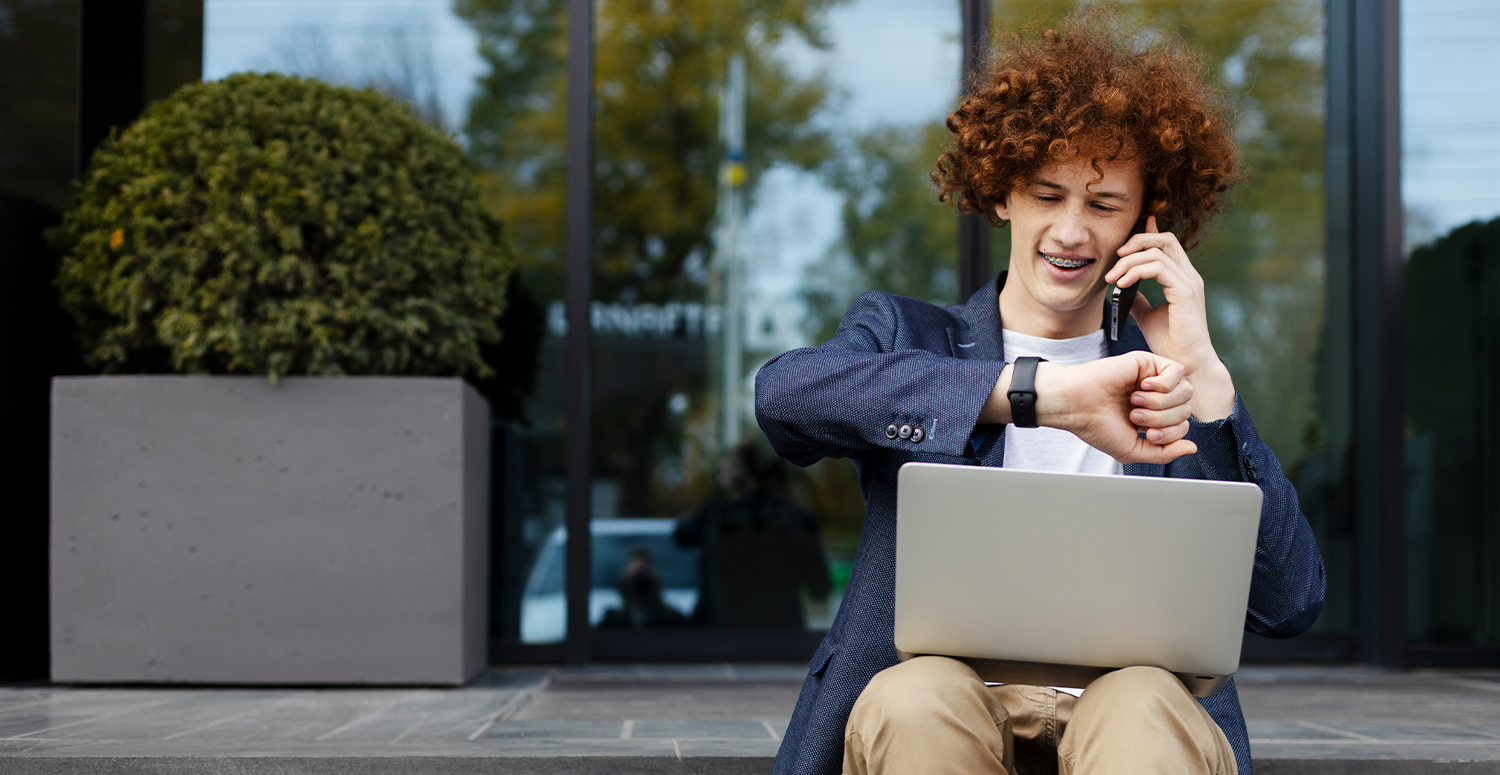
[1450, 114]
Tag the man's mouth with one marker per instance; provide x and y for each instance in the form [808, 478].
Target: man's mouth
[1067, 263]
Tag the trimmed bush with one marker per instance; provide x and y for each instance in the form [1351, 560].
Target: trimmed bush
[279, 225]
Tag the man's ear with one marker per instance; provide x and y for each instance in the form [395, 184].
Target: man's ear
[1002, 209]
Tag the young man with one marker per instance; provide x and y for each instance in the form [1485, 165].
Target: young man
[1094, 145]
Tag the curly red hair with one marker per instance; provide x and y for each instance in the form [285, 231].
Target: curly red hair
[1099, 91]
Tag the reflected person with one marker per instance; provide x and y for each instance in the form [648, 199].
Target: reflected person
[758, 551]
[642, 603]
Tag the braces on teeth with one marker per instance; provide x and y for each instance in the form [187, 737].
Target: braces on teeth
[1067, 263]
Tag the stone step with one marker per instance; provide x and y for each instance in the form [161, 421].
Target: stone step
[667, 719]
[592, 765]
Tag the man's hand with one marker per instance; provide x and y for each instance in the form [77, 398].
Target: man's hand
[1107, 402]
[1179, 328]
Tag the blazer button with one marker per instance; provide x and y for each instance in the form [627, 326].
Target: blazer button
[891, 431]
[917, 435]
[905, 431]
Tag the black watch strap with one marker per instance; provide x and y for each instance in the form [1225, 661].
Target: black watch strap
[1022, 392]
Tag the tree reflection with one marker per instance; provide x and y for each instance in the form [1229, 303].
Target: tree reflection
[1263, 261]
[659, 64]
[1452, 322]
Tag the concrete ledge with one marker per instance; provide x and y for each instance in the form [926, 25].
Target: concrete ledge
[1372, 767]
[567, 765]
[589, 765]
[667, 718]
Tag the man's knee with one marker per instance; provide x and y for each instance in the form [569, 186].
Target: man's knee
[919, 690]
[1141, 687]
[1146, 716]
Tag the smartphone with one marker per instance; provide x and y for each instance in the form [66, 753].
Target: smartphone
[1117, 300]
[1117, 303]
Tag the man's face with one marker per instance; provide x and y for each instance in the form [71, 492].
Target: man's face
[1064, 232]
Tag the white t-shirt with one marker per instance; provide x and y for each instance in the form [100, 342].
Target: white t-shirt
[1051, 449]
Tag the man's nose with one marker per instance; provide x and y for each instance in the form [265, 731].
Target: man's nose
[1071, 229]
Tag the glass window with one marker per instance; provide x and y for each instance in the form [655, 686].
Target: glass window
[757, 166]
[1264, 261]
[38, 110]
[490, 72]
[1450, 162]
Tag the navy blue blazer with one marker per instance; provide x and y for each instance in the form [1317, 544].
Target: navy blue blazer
[899, 360]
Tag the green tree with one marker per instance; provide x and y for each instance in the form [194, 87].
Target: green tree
[277, 225]
[896, 236]
[659, 64]
[1263, 260]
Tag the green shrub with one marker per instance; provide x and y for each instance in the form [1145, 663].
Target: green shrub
[279, 225]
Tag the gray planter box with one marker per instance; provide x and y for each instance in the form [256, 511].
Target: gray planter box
[225, 530]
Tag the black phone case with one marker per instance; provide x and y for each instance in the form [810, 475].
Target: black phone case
[1118, 301]
[1117, 304]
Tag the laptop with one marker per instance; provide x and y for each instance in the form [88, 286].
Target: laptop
[1055, 579]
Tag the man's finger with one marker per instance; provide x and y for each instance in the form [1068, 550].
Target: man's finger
[1146, 452]
[1145, 255]
[1168, 374]
[1152, 399]
[1151, 225]
[1168, 434]
[1155, 401]
[1160, 269]
[1156, 419]
[1141, 307]
[1166, 242]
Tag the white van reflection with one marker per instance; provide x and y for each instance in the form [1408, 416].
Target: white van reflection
[543, 604]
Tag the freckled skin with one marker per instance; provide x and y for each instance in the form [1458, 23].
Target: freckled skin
[1066, 211]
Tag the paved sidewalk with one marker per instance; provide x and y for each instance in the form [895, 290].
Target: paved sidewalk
[670, 718]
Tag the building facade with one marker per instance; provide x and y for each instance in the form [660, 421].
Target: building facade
[694, 186]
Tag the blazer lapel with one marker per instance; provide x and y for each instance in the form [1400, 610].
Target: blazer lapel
[978, 338]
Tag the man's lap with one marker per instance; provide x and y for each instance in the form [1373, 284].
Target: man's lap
[934, 714]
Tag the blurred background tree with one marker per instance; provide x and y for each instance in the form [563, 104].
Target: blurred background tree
[1263, 260]
[657, 149]
[896, 236]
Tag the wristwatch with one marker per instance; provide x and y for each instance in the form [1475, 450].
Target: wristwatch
[1022, 392]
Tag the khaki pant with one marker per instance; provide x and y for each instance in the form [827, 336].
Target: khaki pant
[933, 715]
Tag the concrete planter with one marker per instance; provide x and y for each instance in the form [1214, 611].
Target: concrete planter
[225, 530]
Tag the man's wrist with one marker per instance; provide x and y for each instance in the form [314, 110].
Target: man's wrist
[1202, 363]
[1053, 394]
[1213, 391]
[996, 409]
[1053, 397]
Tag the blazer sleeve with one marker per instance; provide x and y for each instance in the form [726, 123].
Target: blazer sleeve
[838, 399]
[1288, 581]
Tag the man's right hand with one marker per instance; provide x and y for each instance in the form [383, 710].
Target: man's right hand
[1108, 402]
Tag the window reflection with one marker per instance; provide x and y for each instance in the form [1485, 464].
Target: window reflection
[490, 72]
[1264, 261]
[758, 165]
[1450, 130]
[759, 553]
[38, 111]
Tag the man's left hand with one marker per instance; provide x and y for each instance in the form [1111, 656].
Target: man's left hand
[1177, 329]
